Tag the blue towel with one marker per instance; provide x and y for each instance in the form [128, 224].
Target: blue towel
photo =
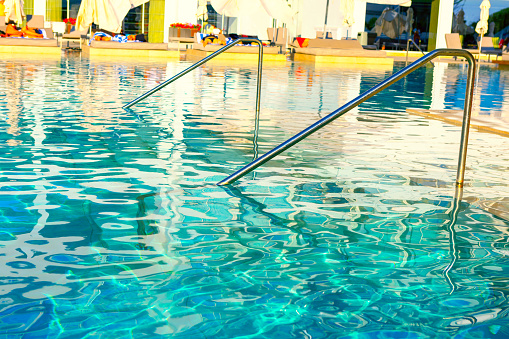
[119, 38]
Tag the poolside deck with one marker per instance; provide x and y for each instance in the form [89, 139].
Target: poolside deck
[29, 46]
[343, 56]
[131, 50]
[237, 53]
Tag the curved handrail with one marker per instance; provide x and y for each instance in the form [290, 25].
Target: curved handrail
[370, 93]
[204, 60]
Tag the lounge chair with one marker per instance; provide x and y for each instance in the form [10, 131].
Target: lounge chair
[34, 21]
[74, 36]
[453, 41]
[278, 36]
[37, 21]
[488, 48]
[319, 35]
[3, 26]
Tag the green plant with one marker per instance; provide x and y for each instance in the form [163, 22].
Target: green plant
[371, 23]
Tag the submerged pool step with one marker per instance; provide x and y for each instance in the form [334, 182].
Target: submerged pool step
[498, 207]
[488, 124]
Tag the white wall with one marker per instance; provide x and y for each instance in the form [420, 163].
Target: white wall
[179, 11]
[311, 17]
[445, 12]
[40, 8]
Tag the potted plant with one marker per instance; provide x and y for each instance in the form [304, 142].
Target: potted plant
[69, 22]
[183, 30]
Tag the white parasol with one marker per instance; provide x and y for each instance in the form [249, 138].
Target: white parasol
[460, 26]
[14, 11]
[409, 22]
[390, 23]
[108, 14]
[202, 12]
[482, 26]
[227, 7]
[279, 10]
[347, 7]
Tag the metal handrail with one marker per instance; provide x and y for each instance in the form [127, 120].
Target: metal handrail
[204, 60]
[370, 93]
[408, 48]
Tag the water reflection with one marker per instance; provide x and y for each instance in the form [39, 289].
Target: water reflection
[112, 222]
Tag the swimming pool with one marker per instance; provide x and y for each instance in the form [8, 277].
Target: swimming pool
[112, 225]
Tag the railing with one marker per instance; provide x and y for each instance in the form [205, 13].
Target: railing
[204, 60]
[370, 93]
[408, 48]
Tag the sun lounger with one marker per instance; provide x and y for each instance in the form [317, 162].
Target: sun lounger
[278, 36]
[74, 36]
[3, 26]
[35, 21]
[453, 41]
[487, 47]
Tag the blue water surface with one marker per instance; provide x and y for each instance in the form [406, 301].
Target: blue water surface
[112, 225]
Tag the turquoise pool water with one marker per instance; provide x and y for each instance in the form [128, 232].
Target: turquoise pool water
[112, 225]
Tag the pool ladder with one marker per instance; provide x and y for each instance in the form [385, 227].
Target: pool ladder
[408, 41]
[370, 93]
[204, 60]
[467, 109]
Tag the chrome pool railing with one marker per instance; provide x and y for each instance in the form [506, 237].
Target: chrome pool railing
[370, 93]
[408, 48]
[204, 60]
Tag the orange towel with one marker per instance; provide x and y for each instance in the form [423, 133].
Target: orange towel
[31, 33]
[11, 31]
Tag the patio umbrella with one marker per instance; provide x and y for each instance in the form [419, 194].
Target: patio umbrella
[14, 11]
[390, 23]
[347, 7]
[482, 26]
[460, 26]
[227, 7]
[202, 11]
[279, 10]
[108, 14]
[409, 22]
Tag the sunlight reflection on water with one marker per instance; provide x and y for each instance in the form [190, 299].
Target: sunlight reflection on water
[113, 225]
